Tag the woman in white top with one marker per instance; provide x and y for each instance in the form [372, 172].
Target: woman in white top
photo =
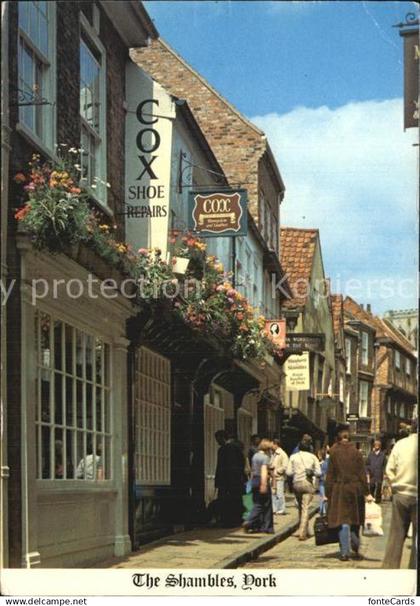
[303, 467]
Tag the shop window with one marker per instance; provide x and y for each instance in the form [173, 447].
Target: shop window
[93, 112]
[363, 399]
[153, 419]
[365, 348]
[73, 402]
[36, 70]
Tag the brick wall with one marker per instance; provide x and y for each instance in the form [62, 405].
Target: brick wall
[68, 131]
[237, 145]
[68, 118]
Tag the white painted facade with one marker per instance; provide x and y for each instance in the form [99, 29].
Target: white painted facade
[72, 522]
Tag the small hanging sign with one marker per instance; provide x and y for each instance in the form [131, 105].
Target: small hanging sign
[222, 214]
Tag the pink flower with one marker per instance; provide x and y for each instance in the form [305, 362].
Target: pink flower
[220, 288]
[29, 187]
[142, 251]
[231, 292]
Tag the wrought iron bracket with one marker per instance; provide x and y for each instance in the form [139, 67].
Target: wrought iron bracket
[28, 98]
[411, 20]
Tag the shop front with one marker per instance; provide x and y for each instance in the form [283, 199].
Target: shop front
[73, 415]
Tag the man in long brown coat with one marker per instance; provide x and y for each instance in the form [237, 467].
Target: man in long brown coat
[346, 489]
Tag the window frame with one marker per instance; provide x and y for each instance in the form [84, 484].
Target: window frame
[145, 408]
[46, 142]
[90, 37]
[348, 351]
[106, 436]
[361, 405]
[364, 346]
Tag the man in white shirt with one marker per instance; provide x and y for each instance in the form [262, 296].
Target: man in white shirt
[303, 466]
[401, 471]
[278, 466]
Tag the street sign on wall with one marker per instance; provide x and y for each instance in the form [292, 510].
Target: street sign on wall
[276, 330]
[298, 341]
[212, 214]
[297, 372]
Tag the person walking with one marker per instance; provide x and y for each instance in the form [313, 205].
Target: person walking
[375, 466]
[307, 439]
[303, 467]
[261, 516]
[278, 466]
[401, 471]
[229, 479]
[255, 440]
[346, 490]
[323, 456]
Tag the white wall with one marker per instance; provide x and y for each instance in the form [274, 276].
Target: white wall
[67, 523]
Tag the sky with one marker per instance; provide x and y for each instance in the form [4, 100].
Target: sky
[324, 81]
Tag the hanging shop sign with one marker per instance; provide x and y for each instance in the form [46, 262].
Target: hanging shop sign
[299, 341]
[218, 213]
[276, 330]
[411, 77]
[297, 372]
[149, 132]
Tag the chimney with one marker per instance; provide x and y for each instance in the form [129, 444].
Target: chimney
[368, 308]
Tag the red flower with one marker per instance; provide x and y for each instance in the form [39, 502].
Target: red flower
[22, 212]
[20, 178]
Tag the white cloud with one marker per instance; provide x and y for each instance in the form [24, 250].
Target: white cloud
[352, 172]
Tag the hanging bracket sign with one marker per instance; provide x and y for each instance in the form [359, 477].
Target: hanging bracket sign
[222, 214]
[276, 331]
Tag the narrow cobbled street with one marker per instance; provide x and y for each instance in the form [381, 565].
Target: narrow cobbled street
[292, 553]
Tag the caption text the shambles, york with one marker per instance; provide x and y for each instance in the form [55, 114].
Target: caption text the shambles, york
[248, 581]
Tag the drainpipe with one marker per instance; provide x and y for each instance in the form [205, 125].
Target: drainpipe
[5, 151]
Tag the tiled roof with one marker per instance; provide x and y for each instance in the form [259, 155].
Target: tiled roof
[394, 334]
[382, 327]
[356, 312]
[337, 312]
[297, 249]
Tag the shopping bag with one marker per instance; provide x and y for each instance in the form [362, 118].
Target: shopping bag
[373, 521]
[248, 504]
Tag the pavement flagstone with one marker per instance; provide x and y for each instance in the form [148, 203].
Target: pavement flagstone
[206, 547]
